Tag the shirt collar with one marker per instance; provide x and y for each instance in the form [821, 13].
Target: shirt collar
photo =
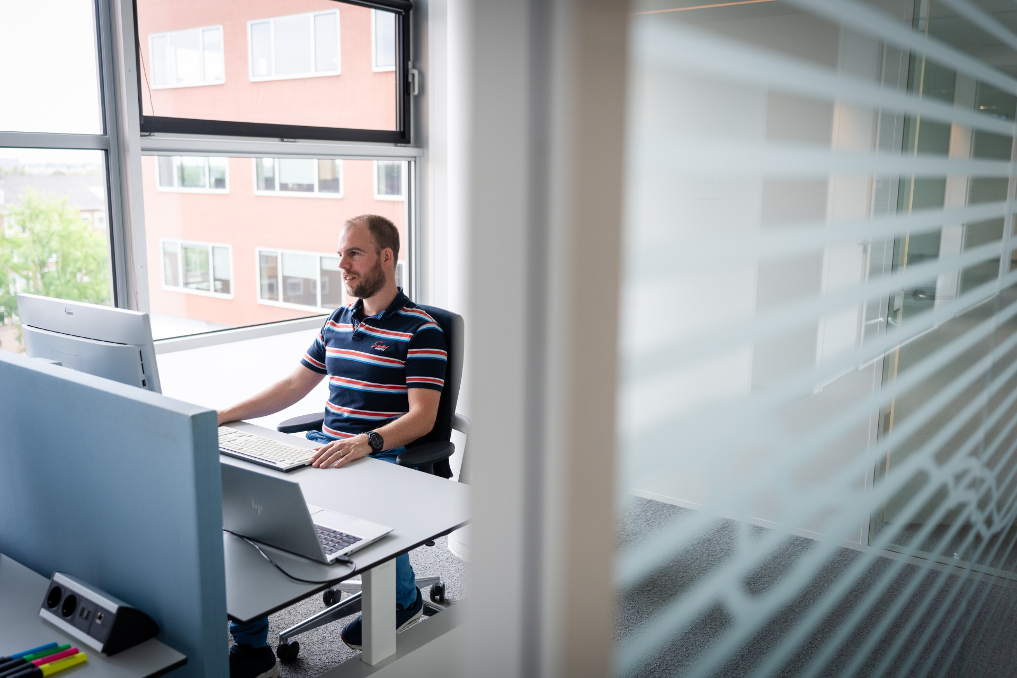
[397, 303]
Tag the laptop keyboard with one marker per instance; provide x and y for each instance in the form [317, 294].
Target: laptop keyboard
[334, 541]
[264, 451]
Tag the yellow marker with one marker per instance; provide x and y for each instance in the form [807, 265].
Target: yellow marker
[57, 667]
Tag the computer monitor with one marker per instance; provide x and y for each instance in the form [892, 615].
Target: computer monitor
[108, 342]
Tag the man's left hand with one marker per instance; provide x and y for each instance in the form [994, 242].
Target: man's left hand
[341, 452]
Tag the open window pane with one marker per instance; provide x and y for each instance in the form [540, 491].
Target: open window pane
[54, 237]
[271, 63]
[50, 80]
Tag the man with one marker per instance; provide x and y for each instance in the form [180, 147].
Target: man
[385, 360]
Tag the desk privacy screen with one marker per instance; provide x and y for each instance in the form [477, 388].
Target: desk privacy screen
[121, 488]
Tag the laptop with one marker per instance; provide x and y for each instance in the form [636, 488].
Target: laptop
[272, 511]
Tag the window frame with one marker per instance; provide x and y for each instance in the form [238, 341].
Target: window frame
[300, 76]
[177, 189]
[201, 42]
[298, 194]
[403, 172]
[151, 124]
[180, 243]
[375, 68]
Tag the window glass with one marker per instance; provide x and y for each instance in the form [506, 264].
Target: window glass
[191, 172]
[299, 279]
[167, 175]
[331, 283]
[49, 61]
[196, 267]
[54, 239]
[268, 274]
[171, 264]
[251, 256]
[296, 175]
[384, 39]
[187, 58]
[260, 57]
[389, 180]
[221, 269]
[217, 173]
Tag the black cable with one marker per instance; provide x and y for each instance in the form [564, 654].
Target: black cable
[342, 559]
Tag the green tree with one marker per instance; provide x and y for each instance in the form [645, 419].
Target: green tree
[46, 248]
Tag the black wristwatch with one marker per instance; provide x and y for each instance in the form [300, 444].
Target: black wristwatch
[375, 440]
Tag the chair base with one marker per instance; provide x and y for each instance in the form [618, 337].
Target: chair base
[349, 607]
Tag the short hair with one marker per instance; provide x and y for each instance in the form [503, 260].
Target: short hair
[383, 232]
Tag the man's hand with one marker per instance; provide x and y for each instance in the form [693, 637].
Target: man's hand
[341, 452]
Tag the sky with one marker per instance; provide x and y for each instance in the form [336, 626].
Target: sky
[54, 85]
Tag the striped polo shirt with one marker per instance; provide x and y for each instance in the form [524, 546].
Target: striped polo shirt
[372, 362]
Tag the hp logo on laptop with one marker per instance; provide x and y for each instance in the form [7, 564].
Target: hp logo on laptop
[256, 507]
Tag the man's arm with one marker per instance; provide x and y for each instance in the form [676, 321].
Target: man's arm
[417, 422]
[278, 396]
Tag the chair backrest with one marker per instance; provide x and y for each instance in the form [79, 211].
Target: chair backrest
[453, 325]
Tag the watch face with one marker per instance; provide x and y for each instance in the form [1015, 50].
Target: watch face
[375, 440]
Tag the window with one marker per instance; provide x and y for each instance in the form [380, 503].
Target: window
[269, 60]
[298, 176]
[192, 174]
[294, 46]
[299, 279]
[383, 40]
[389, 180]
[188, 58]
[198, 268]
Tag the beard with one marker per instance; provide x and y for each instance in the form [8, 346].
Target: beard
[370, 284]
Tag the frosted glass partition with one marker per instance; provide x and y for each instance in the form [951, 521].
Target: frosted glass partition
[818, 414]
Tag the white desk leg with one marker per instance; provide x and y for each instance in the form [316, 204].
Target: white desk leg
[379, 613]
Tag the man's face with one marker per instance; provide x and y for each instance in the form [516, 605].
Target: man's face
[360, 262]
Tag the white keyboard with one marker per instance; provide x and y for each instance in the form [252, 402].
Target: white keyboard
[264, 451]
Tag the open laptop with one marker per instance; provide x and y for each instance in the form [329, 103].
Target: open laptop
[272, 511]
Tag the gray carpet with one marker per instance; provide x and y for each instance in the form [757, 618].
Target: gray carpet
[321, 649]
[988, 650]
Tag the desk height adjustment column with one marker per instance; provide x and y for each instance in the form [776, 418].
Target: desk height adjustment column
[379, 613]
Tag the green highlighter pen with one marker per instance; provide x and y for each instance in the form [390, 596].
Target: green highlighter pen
[21, 663]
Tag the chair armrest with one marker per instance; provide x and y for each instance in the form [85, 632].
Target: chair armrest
[305, 422]
[428, 453]
[460, 423]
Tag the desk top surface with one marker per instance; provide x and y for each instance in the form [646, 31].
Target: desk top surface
[418, 506]
[21, 628]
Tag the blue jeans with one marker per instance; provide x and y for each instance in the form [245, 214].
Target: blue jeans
[255, 633]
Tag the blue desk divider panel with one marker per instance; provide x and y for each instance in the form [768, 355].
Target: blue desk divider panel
[120, 487]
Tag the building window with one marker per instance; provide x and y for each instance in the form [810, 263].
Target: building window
[389, 179]
[193, 174]
[309, 177]
[188, 58]
[294, 46]
[305, 280]
[383, 40]
[197, 268]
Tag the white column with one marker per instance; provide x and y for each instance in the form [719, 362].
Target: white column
[378, 608]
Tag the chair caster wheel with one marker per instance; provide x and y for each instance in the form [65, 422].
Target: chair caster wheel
[287, 652]
[330, 597]
[438, 593]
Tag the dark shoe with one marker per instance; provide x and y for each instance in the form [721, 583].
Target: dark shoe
[252, 662]
[352, 633]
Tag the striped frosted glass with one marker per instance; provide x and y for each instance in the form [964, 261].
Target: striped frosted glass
[818, 399]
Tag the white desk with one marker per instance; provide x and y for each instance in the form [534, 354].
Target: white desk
[21, 628]
[418, 506]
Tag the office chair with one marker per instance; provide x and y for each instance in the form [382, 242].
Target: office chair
[429, 453]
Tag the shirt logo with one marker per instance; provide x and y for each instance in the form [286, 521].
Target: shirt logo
[379, 346]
